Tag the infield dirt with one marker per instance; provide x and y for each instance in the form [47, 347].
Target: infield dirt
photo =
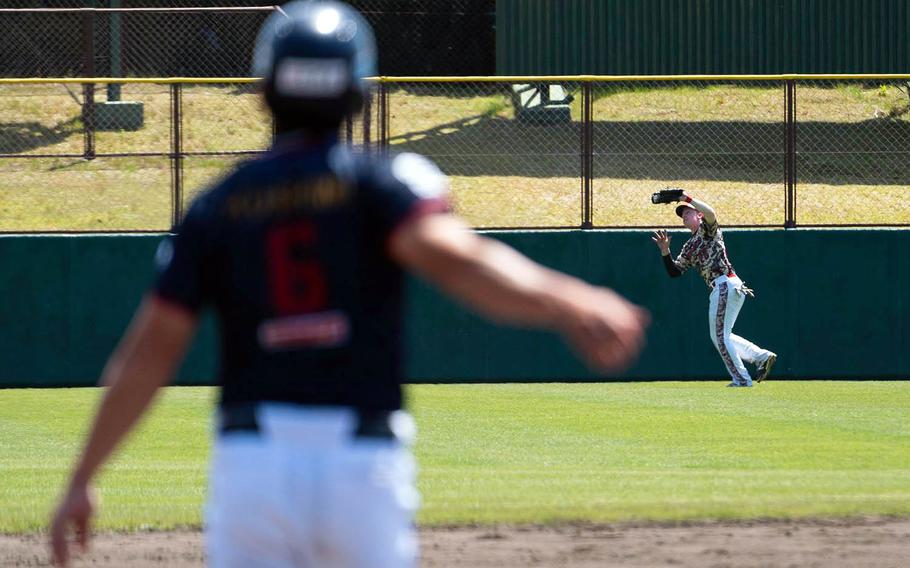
[870, 542]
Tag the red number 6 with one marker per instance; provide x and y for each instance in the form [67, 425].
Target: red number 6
[298, 283]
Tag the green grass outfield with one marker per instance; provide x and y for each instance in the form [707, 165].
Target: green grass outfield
[526, 453]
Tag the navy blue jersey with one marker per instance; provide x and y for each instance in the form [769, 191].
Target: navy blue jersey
[291, 252]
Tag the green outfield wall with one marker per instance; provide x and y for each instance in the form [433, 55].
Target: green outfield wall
[832, 303]
[672, 37]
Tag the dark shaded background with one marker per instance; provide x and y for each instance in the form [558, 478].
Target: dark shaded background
[415, 37]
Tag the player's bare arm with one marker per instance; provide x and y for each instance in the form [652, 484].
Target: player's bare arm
[704, 208]
[605, 329]
[145, 360]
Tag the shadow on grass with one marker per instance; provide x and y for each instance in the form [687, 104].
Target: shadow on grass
[869, 152]
[17, 137]
[450, 90]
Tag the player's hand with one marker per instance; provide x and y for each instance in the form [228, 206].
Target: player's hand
[76, 509]
[662, 240]
[605, 329]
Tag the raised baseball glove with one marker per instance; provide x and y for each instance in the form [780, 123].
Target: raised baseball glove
[669, 195]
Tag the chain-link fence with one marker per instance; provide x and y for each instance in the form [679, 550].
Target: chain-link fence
[852, 152]
[65, 167]
[766, 153]
[134, 42]
[508, 168]
[173, 38]
[521, 153]
[722, 140]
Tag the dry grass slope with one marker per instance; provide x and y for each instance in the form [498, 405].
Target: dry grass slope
[723, 142]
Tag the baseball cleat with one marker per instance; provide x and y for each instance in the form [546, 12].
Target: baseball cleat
[735, 384]
[764, 368]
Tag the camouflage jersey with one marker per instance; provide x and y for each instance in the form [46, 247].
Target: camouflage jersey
[706, 251]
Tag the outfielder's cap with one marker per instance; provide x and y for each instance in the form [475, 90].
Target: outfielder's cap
[682, 207]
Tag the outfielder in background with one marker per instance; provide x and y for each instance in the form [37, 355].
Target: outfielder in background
[301, 253]
[705, 250]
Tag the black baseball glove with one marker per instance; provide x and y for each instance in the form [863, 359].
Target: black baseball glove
[670, 195]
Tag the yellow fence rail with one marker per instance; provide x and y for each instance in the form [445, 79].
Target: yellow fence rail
[478, 79]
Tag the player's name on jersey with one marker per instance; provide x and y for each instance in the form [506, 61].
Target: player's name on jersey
[322, 193]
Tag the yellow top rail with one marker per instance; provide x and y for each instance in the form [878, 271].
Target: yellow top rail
[625, 78]
[483, 79]
[128, 80]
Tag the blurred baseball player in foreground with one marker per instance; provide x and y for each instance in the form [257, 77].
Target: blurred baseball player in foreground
[302, 253]
[706, 251]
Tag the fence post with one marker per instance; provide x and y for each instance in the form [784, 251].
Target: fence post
[790, 151]
[176, 155]
[793, 162]
[587, 157]
[113, 89]
[88, 89]
[88, 121]
[383, 117]
[367, 121]
[349, 130]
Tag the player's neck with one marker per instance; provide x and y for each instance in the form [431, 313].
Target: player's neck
[300, 139]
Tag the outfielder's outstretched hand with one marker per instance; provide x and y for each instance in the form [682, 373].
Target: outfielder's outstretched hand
[76, 509]
[662, 240]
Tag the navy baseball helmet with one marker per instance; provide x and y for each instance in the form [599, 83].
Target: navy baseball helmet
[313, 58]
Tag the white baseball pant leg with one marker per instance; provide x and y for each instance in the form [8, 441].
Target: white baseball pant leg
[726, 300]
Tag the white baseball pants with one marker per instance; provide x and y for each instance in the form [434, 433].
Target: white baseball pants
[726, 300]
[303, 491]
